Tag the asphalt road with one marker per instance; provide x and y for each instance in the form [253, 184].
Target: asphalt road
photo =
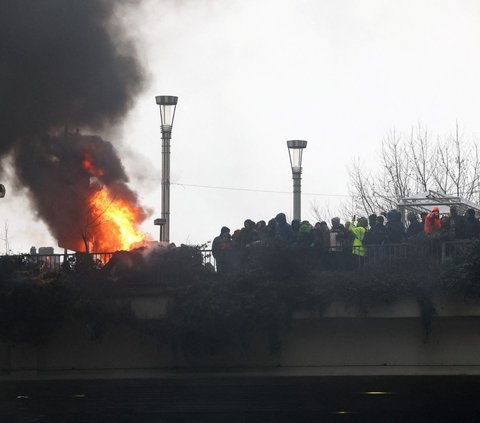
[244, 399]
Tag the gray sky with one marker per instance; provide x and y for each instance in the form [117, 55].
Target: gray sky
[252, 74]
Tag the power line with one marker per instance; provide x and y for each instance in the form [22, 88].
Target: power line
[259, 190]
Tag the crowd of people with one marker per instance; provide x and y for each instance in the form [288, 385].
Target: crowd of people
[354, 238]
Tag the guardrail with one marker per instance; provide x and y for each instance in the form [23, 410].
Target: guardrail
[435, 251]
[71, 261]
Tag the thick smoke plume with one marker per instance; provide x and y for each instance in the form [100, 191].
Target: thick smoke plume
[62, 69]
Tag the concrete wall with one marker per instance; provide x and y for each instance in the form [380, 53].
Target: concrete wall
[388, 340]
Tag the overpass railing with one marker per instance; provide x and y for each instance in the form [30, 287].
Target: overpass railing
[71, 261]
[434, 251]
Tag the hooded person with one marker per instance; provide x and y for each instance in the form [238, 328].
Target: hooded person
[415, 227]
[394, 230]
[455, 225]
[472, 225]
[305, 235]
[271, 230]
[321, 237]
[338, 235]
[283, 230]
[376, 233]
[248, 234]
[432, 221]
[221, 248]
[295, 225]
[358, 229]
[263, 232]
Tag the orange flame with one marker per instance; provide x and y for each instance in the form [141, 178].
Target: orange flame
[114, 223]
[88, 165]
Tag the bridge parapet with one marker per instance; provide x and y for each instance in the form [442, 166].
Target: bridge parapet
[339, 341]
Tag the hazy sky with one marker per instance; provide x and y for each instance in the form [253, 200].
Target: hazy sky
[252, 74]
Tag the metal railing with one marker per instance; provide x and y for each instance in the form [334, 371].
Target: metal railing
[208, 259]
[435, 251]
[71, 261]
[55, 262]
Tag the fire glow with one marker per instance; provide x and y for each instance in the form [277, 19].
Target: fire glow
[113, 218]
[87, 164]
[115, 223]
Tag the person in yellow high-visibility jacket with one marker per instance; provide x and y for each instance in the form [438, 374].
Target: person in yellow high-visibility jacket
[358, 230]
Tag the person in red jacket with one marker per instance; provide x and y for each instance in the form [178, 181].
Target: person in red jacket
[432, 221]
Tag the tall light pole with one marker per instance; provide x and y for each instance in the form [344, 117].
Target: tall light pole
[295, 151]
[167, 105]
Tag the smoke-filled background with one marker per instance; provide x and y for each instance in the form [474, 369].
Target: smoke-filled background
[249, 74]
[65, 69]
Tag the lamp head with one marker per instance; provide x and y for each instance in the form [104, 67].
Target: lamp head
[295, 151]
[167, 104]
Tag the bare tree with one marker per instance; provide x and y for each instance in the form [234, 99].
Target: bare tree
[319, 212]
[422, 159]
[397, 167]
[413, 164]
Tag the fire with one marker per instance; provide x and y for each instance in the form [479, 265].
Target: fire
[88, 165]
[114, 222]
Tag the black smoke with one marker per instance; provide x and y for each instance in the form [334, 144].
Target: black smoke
[64, 66]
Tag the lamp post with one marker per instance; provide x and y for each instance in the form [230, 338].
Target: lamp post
[295, 151]
[160, 222]
[167, 105]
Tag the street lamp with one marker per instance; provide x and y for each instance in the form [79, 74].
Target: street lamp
[167, 105]
[160, 222]
[295, 151]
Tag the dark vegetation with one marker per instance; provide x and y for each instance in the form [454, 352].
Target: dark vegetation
[211, 311]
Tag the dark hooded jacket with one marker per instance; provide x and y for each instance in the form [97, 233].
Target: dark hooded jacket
[283, 230]
[394, 231]
[472, 225]
[415, 227]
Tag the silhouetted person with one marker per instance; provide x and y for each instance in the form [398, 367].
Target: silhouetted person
[381, 223]
[455, 225]
[271, 230]
[472, 225]
[222, 249]
[414, 226]
[394, 230]
[295, 225]
[283, 231]
[263, 232]
[376, 233]
[432, 222]
[248, 234]
[305, 235]
[321, 237]
[423, 216]
[338, 235]
[339, 256]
